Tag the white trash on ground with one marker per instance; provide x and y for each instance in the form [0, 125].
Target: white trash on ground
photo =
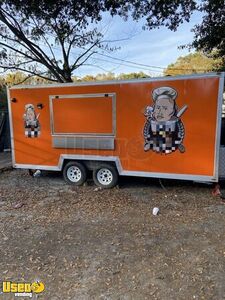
[155, 211]
[37, 173]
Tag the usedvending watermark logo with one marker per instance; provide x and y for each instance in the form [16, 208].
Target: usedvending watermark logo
[22, 289]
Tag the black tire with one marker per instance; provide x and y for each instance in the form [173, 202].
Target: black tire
[109, 173]
[31, 172]
[74, 170]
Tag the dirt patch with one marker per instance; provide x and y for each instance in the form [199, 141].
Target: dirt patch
[106, 244]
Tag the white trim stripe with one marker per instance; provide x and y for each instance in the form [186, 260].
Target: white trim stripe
[119, 168]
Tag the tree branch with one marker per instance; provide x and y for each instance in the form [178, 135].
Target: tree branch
[82, 55]
[16, 65]
[66, 72]
[30, 72]
[80, 64]
[43, 36]
[17, 51]
[34, 48]
[28, 77]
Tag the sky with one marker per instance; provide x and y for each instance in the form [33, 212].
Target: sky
[156, 48]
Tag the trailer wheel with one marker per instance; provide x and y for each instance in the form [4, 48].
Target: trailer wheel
[74, 173]
[31, 172]
[105, 176]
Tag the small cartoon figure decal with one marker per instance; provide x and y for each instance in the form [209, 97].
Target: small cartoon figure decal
[164, 130]
[31, 122]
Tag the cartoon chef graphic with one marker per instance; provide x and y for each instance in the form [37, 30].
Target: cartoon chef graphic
[31, 122]
[164, 130]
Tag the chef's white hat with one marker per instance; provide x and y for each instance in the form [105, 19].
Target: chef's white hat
[29, 106]
[164, 92]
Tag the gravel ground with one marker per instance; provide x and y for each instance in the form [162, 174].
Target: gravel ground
[85, 243]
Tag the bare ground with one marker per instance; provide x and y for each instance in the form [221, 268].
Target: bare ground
[106, 244]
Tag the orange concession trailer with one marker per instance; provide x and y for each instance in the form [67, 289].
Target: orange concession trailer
[167, 127]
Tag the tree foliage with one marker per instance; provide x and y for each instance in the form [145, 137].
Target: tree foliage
[52, 39]
[32, 31]
[18, 77]
[210, 34]
[193, 63]
[133, 75]
[112, 76]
